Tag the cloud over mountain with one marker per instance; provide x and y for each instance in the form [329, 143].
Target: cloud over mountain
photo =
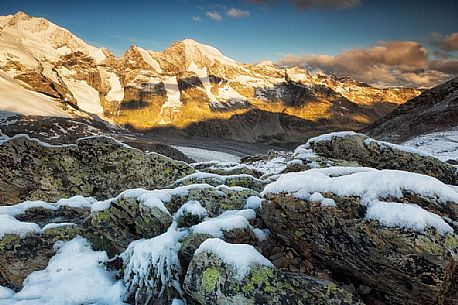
[389, 63]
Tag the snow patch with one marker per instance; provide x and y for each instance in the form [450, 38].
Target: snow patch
[75, 275]
[116, 92]
[87, 97]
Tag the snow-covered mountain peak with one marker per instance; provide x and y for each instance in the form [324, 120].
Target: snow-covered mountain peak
[41, 39]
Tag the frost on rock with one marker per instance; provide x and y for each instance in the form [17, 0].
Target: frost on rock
[75, 275]
[241, 257]
[152, 267]
[376, 188]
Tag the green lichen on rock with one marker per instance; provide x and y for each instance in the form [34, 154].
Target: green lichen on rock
[128, 219]
[394, 261]
[209, 279]
[99, 166]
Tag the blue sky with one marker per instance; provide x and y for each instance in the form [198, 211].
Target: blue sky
[266, 31]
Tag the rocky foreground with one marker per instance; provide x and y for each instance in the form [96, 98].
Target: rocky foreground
[343, 219]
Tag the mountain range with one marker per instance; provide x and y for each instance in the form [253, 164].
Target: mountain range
[189, 89]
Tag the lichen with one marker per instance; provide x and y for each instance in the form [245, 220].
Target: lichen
[8, 239]
[209, 279]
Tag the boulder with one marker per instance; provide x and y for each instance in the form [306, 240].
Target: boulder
[407, 252]
[98, 166]
[223, 274]
[125, 220]
[357, 147]
[22, 255]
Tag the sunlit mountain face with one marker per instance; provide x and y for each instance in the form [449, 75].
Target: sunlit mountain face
[227, 70]
[185, 84]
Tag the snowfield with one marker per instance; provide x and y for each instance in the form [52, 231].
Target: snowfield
[442, 145]
[15, 99]
[204, 155]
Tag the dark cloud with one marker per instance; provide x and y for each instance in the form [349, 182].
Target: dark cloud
[391, 63]
[449, 66]
[306, 4]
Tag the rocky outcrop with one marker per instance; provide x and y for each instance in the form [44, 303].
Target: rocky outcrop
[58, 131]
[99, 167]
[282, 228]
[382, 155]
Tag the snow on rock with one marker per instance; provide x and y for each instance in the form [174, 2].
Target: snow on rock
[241, 257]
[388, 145]
[329, 136]
[75, 275]
[406, 216]
[261, 235]
[151, 199]
[253, 202]
[216, 226]
[14, 99]
[270, 166]
[149, 59]
[325, 202]
[152, 265]
[87, 97]
[371, 186]
[54, 225]
[195, 50]
[116, 92]
[304, 152]
[73, 202]
[192, 207]
[10, 225]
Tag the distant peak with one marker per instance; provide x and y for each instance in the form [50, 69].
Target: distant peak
[20, 16]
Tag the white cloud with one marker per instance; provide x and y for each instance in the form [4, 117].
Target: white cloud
[215, 15]
[237, 13]
[197, 18]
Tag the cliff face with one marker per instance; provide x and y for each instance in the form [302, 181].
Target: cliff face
[185, 84]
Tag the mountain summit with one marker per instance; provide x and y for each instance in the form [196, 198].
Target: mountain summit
[190, 86]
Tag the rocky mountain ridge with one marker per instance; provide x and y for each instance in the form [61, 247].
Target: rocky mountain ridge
[186, 84]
